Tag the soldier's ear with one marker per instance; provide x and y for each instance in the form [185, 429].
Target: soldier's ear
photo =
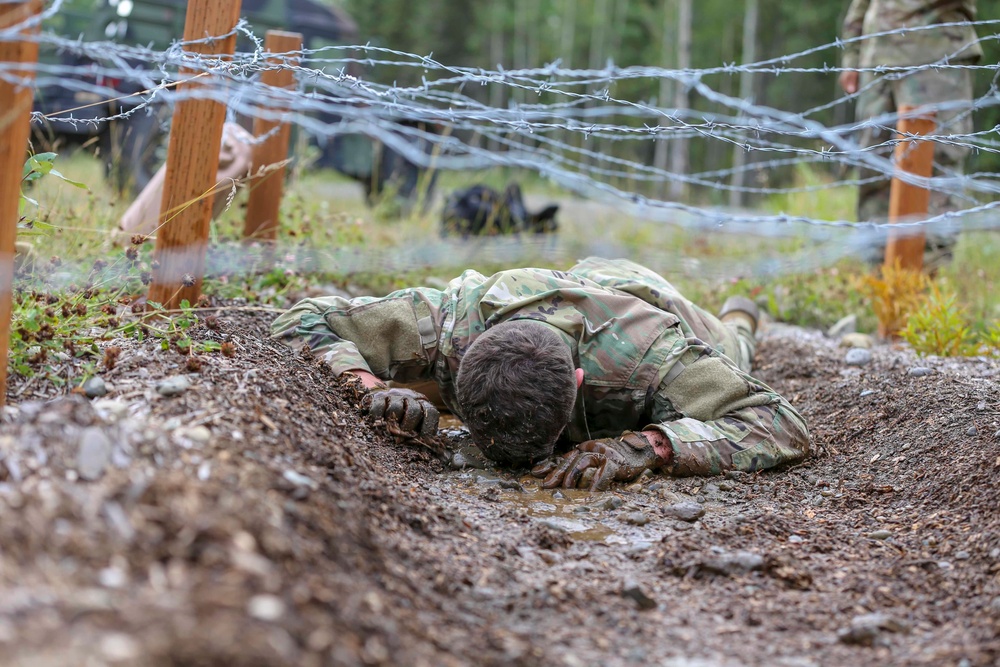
[579, 378]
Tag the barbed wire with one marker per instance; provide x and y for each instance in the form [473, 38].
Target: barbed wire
[569, 126]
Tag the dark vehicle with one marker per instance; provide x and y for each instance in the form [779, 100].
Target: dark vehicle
[482, 211]
[132, 146]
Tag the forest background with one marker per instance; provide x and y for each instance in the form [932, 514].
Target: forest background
[588, 34]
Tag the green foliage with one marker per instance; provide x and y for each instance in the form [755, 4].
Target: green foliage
[895, 294]
[939, 326]
[37, 166]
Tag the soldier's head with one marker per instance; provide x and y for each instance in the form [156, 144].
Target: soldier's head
[516, 388]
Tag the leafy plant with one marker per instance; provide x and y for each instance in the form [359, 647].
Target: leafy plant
[895, 295]
[36, 166]
[940, 327]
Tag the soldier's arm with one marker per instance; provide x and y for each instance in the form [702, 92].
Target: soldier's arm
[715, 417]
[392, 337]
[853, 27]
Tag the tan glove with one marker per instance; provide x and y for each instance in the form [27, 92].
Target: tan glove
[406, 413]
[619, 459]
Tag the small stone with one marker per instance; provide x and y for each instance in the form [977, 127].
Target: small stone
[858, 340]
[995, 605]
[511, 485]
[972, 431]
[94, 453]
[634, 488]
[637, 548]
[610, 503]
[633, 591]
[119, 647]
[94, 388]
[725, 486]
[685, 510]
[865, 628]
[879, 535]
[298, 479]
[826, 493]
[845, 325]
[995, 554]
[919, 371]
[962, 555]
[112, 577]
[981, 406]
[944, 565]
[795, 539]
[199, 434]
[266, 607]
[731, 563]
[866, 392]
[637, 518]
[111, 409]
[173, 386]
[858, 356]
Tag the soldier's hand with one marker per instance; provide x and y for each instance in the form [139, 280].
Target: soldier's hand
[848, 81]
[406, 412]
[611, 460]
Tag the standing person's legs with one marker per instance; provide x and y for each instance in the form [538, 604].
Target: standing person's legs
[876, 99]
[949, 94]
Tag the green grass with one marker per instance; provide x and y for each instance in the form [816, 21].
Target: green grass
[86, 281]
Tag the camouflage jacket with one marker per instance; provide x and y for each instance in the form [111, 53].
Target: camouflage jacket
[651, 358]
[867, 17]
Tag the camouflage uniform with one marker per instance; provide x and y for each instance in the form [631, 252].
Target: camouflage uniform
[883, 93]
[651, 358]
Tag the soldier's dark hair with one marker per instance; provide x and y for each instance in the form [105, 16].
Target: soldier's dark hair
[516, 388]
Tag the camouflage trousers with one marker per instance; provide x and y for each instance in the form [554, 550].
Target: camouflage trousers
[884, 94]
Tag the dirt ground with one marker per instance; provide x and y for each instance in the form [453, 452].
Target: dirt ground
[255, 518]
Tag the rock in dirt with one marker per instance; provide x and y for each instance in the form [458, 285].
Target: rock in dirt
[859, 340]
[95, 388]
[111, 409]
[94, 453]
[879, 535]
[858, 356]
[266, 607]
[637, 518]
[686, 510]
[731, 563]
[633, 591]
[173, 386]
[866, 628]
[845, 325]
[919, 371]
[972, 431]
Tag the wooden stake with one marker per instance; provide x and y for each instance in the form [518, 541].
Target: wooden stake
[15, 125]
[266, 188]
[910, 202]
[192, 163]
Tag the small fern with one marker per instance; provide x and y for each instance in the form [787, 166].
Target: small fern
[940, 327]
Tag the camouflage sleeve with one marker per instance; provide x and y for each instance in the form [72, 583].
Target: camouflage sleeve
[391, 337]
[853, 27]
[718, 418]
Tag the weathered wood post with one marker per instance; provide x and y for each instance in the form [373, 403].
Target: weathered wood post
[267, 187]
[192, 162]
[906, 201]
[15, 125]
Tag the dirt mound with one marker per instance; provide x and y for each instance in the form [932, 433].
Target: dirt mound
[254, 518]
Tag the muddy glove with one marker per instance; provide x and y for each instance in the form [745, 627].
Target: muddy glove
[611, 459]
[406, 413]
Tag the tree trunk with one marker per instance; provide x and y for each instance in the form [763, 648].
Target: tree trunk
[746, 94]
[679, 158]
[662, 145]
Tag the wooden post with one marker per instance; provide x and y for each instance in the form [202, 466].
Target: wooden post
[906, 201]
[266, 189]
[192, 163]
[15, 125]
